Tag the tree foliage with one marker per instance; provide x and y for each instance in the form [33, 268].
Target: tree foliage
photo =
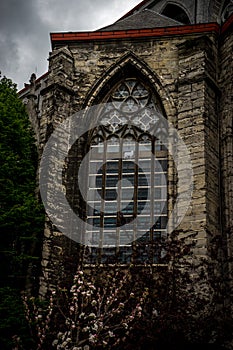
[21, 215]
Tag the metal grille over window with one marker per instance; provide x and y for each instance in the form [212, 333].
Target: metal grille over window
[127, 182]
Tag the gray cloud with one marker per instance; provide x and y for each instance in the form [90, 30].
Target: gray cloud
[25, 26]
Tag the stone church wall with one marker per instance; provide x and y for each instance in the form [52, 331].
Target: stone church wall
[183, 71]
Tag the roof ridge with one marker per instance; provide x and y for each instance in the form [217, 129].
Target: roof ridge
[122, 19]
[137, 8]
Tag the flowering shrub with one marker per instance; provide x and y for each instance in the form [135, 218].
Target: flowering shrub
[102, 311]
[39, 316]
[98, 312]
[139, 307]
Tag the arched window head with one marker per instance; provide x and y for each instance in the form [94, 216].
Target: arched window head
[177, 13]
[127, 179]
[227, 10]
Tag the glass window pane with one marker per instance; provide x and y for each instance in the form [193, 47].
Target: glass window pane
[143, 193]
[160, 180]
[143, 180]
[95, 167]
[110, 194]
[110, 207]
[110, 222]
[127, 193]
[127, 208]
[144, 165]
[160, 165]
[128, 167]
[113, 148]
[129, 178]
[112, 167]
[112, 180]
[94, 195]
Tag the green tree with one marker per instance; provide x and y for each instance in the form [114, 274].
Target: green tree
[21, 215]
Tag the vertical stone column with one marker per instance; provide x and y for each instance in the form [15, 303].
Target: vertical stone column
[197, 125]
[226, 123]
[59, 254]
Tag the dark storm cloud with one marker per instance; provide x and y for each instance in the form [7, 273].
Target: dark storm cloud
[25, 26]
[15, 15]
[20, 31]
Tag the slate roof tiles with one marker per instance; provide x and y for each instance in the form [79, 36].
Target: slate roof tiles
[141, 20]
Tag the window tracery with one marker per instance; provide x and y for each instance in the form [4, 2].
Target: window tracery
[127, 182]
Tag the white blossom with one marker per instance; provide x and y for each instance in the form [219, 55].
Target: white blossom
[155, 313]
[92, 338]
[86, 329]
[55, 342]
[95, 326]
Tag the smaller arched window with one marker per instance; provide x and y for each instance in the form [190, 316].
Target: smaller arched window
[227, 10]
[177, 13]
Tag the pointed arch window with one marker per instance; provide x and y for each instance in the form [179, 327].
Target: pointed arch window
[127, 181]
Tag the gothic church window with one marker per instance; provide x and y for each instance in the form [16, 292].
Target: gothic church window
[127, 181]
[177, 13]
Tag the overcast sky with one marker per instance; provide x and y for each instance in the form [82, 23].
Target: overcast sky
[25, 26]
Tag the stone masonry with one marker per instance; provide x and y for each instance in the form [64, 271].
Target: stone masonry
[191, 70]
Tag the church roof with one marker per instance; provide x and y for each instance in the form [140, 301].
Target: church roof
[140, 20]
[142, 5]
